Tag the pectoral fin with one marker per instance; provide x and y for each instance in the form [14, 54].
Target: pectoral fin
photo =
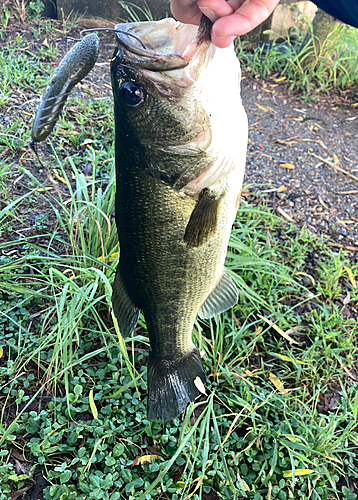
[126, 312]
[203, 221]
[223, 297]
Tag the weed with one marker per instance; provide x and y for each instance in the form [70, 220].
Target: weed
[5, 15]
[332, 63]
[135, 13]
[48, 52]
[35, 8]
[70, 22]
[247, 436]
[20, 10]
[4, 174]
[15, 70]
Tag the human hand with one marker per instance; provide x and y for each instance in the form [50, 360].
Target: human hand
[230, 19]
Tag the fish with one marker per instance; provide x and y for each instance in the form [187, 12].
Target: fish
[181, 136]
[180, 147]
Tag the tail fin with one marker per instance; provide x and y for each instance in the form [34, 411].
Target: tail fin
[171, 384]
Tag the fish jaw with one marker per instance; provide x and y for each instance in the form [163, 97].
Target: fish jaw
[156, 40]
[166, 54]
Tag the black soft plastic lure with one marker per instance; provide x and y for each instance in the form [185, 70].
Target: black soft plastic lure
[77, 63]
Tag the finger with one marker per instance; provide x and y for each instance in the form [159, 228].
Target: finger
[249, 15]
[214, 9]
[186, 11]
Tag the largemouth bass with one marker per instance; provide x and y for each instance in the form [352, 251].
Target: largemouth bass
[181, 138]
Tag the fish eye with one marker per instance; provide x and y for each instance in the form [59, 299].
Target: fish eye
[132, 94]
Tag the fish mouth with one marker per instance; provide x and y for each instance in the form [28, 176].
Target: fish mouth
[162, 45]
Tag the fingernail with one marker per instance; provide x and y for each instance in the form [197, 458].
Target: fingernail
[209, 13]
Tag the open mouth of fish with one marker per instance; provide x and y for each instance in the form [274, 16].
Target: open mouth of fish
[162, 45]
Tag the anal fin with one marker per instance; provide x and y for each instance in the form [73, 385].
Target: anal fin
[223, 297]
[203, 221]
[126, 312]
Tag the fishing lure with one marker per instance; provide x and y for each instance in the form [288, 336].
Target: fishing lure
[77, 63]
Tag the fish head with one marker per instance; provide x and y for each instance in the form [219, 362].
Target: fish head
[177, 99]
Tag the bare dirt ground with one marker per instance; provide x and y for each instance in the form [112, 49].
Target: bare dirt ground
[303, 158]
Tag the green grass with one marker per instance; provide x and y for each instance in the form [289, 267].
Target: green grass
[247, 437]
[135, 13]
[280, 417]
